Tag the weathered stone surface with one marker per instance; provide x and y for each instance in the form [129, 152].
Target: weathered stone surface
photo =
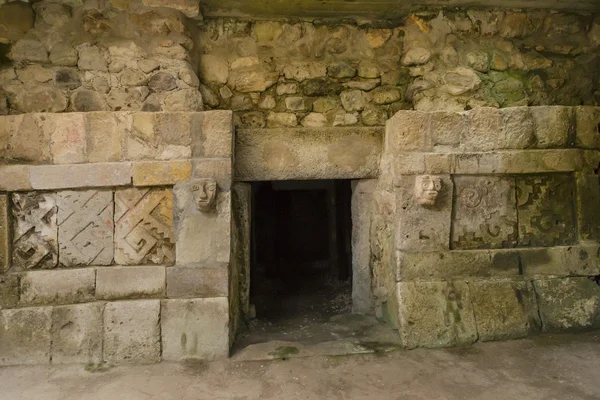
[277, 120]
[156, 173]
[303, 70]
[552, 126]
[87, 100]
[504, 309]
[14, 178]
[198, 281]
[189, 7]
[80, 175]
[85, 227]
[41, 98]
[53, 14]
[352, 100]
[406, 131]
[162, 82]
[295, 103]
[28, 50]
[144, 226]
[104, 137]
[485, 213]
[341, 70]
[587, 124]
[132, 331]
[183, 100]
[25, 336]
[57, 287]
[582, 260]
[91, 58]
[416, 56]
[435, 314]
[315, 153]
[68, 137]
[545, 210]
[385, 95]
[4, 233]
[34, 231]
[218, 169]
[34, 73]
[65, 55]
[130, 282]
[587, 200]
[362, 193]
[314, 120]
[214, 68]
[202, 237]
[77, 334]
[368, 70]
[345, 119]
[9, 291]
[425, 228]
[67, 78]
[568, 304]
[195, 329]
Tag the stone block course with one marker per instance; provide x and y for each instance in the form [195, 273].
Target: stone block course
[198, 281]
[195, 329]
[9, 291]
[130, 282]
[80, 175]
[26, 337]
[15, 177]
[77, 334]
[57, 287]
[4, 233]
[132, 332]
[156, 173]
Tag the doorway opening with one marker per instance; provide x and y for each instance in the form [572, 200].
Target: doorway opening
[301, 261]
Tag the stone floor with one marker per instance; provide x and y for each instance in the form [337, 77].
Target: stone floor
[545, 367]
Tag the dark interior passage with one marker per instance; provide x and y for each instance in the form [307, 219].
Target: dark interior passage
[301, 256]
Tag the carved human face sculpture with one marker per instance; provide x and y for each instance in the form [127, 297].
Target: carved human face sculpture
[427, 188]
[205, 193]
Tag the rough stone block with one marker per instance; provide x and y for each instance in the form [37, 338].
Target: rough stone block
[588, 127]
[77, 333]
[202, 237]
[362, 197]
[9, 291]
[25, 336]
[484, 212]
[447, 128]
[130, 282]
[195, 329]
[517, 128]
[85, 227]
[198, 281]
[144, 226]
[80, 175]
[4, 234]
[58, 287]
[68, 132]
[425, 228]
[307, 153]
[28, 142]
[105, 136]
[483, 133]
[34, 231]
[132, 331]
[435, 314]
[552, 126]
[588, 199]
[504, 309]
[545, 210]
[568, 304]
[408, 130]
[583, 260]
[212, 134]
[14, 178]
[156, 173]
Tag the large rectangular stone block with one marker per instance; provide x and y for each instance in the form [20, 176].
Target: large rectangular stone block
[588, 127]
[77, 333]
[156, 173]
[68, 131]
[85, 227]
[361, 207]
[14, 178]
[67, 176]
[545, 208]
[144, 226]
[484, 212]
[553, 126]
[408, 131]
[9, 291]
[581, 260]
[25, 336]
[483, 133]
[34, 231]
[130, 282]
[198, 281]
[568, 304]
[28, 141]
[504, 309]
[4, 234]
[435, 314]
[195, 329]
[212, 134]
[58, 287]
[587, 202]
[132, 331]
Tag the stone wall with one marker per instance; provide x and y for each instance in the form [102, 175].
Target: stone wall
[75, 55]
[511, 245]
[286, 73]
[104, 256]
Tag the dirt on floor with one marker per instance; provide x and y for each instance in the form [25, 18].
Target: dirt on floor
[546, 367]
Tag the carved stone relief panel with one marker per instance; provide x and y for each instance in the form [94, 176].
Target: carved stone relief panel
[144, 226]
[485, 212]
[545, 210]
[35, 233]
[85, 227]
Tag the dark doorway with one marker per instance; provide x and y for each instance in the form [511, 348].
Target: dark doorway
[301, 257]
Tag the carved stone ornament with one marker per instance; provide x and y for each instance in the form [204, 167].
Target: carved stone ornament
[427, 188]
[205, 193]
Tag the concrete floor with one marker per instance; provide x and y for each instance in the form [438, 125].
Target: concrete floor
[545, 367]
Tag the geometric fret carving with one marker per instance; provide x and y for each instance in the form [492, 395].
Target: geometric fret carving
[485, 214]
[35, 241]
[144, 226]
[85, 227]
[546, 210]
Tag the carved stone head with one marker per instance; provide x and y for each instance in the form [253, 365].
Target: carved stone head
[205, 192]
[427, 188]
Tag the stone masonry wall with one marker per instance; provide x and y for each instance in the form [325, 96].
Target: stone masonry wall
[287, 73]
[74, 55]
[511, 246]
[104, 256]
